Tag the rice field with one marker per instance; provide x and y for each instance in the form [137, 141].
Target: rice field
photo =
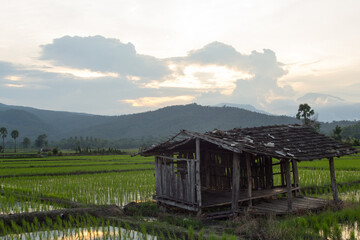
[30, 185]
[104, 188]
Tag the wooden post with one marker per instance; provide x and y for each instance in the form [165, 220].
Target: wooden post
[249, 177]
[192, 181]
[295, 176]
[157, 176]
[197, 176]
[288, 184]
[333, 180]
[235, 183]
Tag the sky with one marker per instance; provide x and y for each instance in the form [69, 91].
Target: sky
[114, 57]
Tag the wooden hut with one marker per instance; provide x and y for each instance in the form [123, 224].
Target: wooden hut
[197, 171]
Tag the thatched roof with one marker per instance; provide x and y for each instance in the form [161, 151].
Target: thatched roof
[280, 141]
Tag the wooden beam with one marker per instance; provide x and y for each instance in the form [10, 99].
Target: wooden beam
[197, 176]
[295, 175]
[235, 183]
[177, 204]
[249, 177]
[333, 180]
[288, 184]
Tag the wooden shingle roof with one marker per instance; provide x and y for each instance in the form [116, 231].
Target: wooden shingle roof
[280, 141]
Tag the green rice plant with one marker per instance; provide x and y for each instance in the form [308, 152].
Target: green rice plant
[201, 234]
[212, 236]
[109, 188]
[336, 232]
[190, 233]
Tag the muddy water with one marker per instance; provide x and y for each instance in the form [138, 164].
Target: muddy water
[20, 207]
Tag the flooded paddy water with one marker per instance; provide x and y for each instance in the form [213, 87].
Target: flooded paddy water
[90, 233]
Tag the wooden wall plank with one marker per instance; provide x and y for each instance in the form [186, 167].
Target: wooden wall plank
[249, 177]
[235, 183]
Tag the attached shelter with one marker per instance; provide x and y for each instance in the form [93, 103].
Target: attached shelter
[236, 168]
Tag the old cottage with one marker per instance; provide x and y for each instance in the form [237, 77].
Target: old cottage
[239, 167]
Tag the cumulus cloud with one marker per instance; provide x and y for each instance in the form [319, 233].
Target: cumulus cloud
[103, 54]
[253, 77]
[127, 81]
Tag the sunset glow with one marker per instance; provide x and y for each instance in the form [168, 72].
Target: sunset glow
[158, 101]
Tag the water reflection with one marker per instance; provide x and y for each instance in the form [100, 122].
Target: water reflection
[90, 233]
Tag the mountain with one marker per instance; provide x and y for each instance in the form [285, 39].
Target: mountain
[331, 108]
[193, 117]
[320, 98]
[163, 122]
[32, 122]
[242, 106]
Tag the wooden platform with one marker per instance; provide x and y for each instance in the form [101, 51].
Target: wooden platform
[280, 207]
[215, 199]
[274, 207]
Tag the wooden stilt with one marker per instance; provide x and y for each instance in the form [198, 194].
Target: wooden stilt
[288, 185]
[235, 183]
[295, 176]
[197, 177]
[157, 176]
[249, 177]
[333, 180]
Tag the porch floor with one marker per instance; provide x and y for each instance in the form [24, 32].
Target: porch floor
[215, 199]
[275, 207]
[280, 206]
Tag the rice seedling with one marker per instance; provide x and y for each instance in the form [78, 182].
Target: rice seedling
[110, 188]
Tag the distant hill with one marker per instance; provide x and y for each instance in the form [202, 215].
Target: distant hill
[243, 106]
[32, 122]
[163, 122]
[169, 120]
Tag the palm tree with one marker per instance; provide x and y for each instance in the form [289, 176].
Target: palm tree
[14, 135]
[3, 132]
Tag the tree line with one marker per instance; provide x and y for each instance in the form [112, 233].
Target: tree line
[39, 142]
[305, 113]
[348, 134]
[14, 134]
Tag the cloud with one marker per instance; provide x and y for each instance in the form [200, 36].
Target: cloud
[6, 68]
[102, 54]
[158, 101]
[128, 82]
[252, 78]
